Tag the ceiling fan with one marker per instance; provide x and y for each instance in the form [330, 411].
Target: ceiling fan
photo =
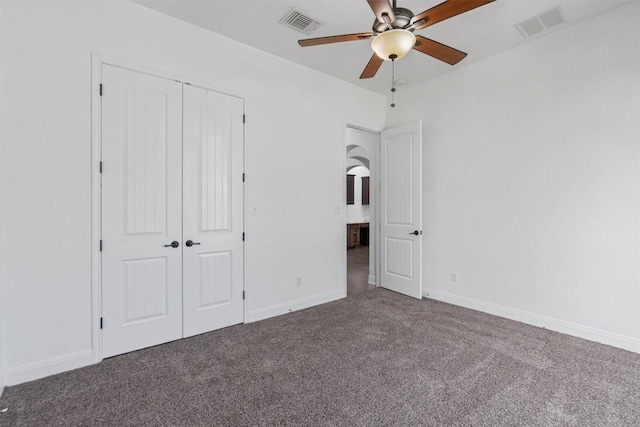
[393, 31]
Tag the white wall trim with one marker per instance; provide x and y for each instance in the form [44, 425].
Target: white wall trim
[372, 279]
[569, 328]
[245, 203]
[99, 59]
[96, 209]
[300, 304]
[345, 265]
[44, 368]
[360, 125]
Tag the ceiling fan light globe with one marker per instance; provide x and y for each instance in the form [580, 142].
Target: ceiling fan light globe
[393, 42]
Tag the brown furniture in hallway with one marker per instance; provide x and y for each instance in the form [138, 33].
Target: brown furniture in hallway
[357, 235]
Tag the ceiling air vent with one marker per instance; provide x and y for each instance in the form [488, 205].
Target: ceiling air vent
[298, 21]
[542, 22]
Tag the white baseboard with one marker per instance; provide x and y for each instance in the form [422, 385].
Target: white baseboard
[287, 307]
[2, 378]
[56, 365]
[372, 280]
[569, 328]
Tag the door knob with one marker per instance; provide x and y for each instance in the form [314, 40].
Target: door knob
[190, 243]
[173, 244]
[415, 233]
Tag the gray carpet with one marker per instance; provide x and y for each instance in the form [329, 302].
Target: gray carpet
[375, 358]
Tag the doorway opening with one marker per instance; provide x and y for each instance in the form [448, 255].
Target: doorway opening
[358, 226]
[361, 171]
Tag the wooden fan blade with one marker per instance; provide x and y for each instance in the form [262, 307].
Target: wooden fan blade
[372, 67]
[438, 50]
[335, 39]
[382, 7]
[446, 10]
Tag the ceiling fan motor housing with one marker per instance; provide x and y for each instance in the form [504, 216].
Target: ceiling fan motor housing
[403, 18]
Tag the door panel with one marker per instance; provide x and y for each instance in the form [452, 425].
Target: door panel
[401, 216]
[399, 257]
[216, 284]
[141, 210]
[144, 289]
[214, 146]
[213, 210]
[398, 150]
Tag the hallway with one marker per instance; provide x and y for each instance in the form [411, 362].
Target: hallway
[358, 270]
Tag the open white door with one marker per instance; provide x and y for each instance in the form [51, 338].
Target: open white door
[213, 210]
[141, 210]
[401, 209]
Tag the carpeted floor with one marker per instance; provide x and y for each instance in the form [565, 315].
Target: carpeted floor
[375, 358]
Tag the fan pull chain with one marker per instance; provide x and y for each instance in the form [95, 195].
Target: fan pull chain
[393, 80]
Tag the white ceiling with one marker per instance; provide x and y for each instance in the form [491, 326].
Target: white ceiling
[480, 33]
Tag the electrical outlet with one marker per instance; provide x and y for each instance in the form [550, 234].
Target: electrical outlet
[299, 281]
[454, 276]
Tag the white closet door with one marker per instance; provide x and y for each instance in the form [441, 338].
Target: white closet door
[213, 210]
[141, 210]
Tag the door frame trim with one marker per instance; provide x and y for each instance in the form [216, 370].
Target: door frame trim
[97, 61]
[366, 127]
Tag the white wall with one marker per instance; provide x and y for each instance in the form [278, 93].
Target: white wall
[357, 212]
[297, 229]
[531, 184]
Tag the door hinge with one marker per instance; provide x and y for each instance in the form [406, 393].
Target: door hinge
[243, 237]
[101, 323]
[244, 118]
[243, 177]
[100, 166]
[242, 294]
[100, 245]
[100, 89]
